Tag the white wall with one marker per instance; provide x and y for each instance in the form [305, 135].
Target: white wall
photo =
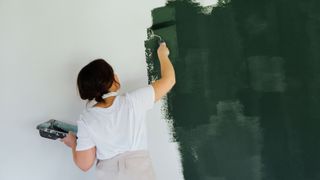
[43, 45]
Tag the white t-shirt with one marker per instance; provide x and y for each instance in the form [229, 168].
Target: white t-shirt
[118, 128]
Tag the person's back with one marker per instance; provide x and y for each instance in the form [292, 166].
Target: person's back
[113, 131]
[117, 128]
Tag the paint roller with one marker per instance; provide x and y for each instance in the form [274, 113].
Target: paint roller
[160, 26]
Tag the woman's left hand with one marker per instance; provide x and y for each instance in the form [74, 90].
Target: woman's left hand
[70, 140]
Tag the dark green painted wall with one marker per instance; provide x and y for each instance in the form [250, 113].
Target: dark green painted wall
[246, 105]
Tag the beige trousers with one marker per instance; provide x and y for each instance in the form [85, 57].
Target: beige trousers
[133, 165]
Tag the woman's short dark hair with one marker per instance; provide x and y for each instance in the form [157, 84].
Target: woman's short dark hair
[95, 79]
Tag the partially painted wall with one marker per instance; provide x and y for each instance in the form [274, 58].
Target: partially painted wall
[246, 103]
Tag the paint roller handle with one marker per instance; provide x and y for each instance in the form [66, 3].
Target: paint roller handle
[163, 50]
[161, 41]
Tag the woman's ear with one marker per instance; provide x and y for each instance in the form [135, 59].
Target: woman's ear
[117, 83]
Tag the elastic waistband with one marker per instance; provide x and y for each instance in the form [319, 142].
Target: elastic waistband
[138, 153]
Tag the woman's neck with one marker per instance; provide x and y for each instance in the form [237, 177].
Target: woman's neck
[107, 102]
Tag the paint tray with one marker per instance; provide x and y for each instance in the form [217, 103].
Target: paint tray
[54, 129]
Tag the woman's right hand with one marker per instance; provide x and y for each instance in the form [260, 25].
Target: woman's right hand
[163, 50]
[167, 80]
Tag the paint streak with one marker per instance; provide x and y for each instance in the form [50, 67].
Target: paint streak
[246, 103]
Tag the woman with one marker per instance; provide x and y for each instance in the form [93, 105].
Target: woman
[113, 130]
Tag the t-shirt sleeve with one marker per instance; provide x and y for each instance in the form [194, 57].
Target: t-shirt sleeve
[143, 98]
[84, 141]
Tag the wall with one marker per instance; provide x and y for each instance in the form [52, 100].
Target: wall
[43, 45]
